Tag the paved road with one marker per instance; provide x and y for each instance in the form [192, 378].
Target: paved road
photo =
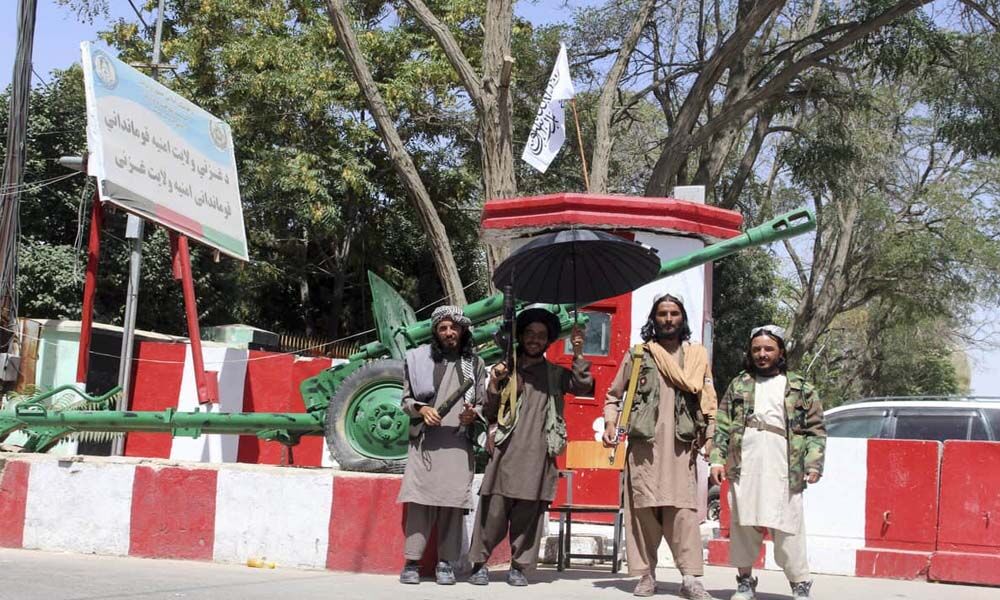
[31, 575]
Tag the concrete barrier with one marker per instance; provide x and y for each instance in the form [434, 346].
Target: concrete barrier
[295, 517]
[968, 532]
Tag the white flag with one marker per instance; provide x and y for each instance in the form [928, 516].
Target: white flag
[549, 131]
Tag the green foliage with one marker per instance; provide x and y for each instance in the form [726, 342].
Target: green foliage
[744, 295]
[966, 95]
[49, 280]
[916, 363]
[909, 236]
[872, 352]
[321, 201]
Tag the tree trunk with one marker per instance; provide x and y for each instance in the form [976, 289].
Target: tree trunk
[306, 304]
[603, 143]
[684, 139]
[674, 153]
[444, 260]
[829, 280]
[496, 128]
[748, 161]
[341, 250]
[490, 96]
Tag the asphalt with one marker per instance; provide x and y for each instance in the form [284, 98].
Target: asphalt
[34, 575]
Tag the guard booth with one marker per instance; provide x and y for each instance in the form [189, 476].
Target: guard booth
[674, 227]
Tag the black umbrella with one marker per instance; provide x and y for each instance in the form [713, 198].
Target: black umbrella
[576, 266]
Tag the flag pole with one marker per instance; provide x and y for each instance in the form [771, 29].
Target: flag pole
[579, 139]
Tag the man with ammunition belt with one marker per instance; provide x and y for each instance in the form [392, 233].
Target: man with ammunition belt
[528, 432]
[670, 416]
[443, 388]
[770, 444]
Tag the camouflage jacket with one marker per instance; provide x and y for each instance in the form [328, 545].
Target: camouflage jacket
[804, 428]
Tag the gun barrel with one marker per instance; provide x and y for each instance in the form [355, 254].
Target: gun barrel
[171, 420]
[780, 228]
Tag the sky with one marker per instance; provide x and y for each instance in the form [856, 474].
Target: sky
[58, 34]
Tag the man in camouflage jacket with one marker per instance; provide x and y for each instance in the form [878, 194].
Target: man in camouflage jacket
[769, 442]
[804, 424]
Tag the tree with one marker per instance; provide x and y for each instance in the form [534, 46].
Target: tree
[913, 225]
[317, 188]
[400, 158]
[723, 75]
[745, 294]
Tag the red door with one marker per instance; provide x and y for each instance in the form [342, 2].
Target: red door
[606, 342]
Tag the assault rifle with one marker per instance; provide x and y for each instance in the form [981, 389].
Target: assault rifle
[417, 423]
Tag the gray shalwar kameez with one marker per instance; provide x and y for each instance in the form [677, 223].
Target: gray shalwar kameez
[437, 482]
[520, 479]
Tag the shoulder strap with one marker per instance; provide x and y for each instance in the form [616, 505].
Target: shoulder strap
[554, 373]
[633, 380]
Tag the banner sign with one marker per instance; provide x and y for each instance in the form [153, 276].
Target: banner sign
[157, 155]
[549, 130]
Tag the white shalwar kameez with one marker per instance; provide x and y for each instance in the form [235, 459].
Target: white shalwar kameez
[761, 498]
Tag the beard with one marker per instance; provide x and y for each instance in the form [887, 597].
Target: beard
[666, 332]
[531, 354]
[767, 371]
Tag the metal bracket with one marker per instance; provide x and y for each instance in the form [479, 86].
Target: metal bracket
[282, 436]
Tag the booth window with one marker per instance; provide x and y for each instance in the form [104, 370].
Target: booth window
[597, 338]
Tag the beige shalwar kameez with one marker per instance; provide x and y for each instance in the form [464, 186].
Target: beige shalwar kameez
[661, 488]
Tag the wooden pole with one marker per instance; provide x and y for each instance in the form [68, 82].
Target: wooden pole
[579, 139]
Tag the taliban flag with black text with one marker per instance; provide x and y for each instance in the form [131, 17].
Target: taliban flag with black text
[549, 131]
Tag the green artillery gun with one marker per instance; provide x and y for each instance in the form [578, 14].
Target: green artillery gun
[354, 404]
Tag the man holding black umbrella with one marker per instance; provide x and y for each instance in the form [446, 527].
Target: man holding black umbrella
[527, 433]
[672, 416]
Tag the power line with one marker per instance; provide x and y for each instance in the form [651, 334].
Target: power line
[13, 170]
[139, 14]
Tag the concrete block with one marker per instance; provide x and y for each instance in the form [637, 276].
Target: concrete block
[582, 544]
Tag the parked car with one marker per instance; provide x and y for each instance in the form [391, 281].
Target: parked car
[938, 418]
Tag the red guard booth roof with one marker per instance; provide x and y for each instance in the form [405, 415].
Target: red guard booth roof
[509, 218]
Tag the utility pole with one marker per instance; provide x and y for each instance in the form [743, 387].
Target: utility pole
[10, 193]
[134, 232]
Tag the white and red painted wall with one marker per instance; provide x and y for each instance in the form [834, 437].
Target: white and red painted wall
[249, 381]
[233, 513]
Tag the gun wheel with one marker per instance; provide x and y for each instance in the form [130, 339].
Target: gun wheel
[366, 430]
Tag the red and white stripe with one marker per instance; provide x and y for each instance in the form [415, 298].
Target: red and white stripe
[312, 518]
[899, 509]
